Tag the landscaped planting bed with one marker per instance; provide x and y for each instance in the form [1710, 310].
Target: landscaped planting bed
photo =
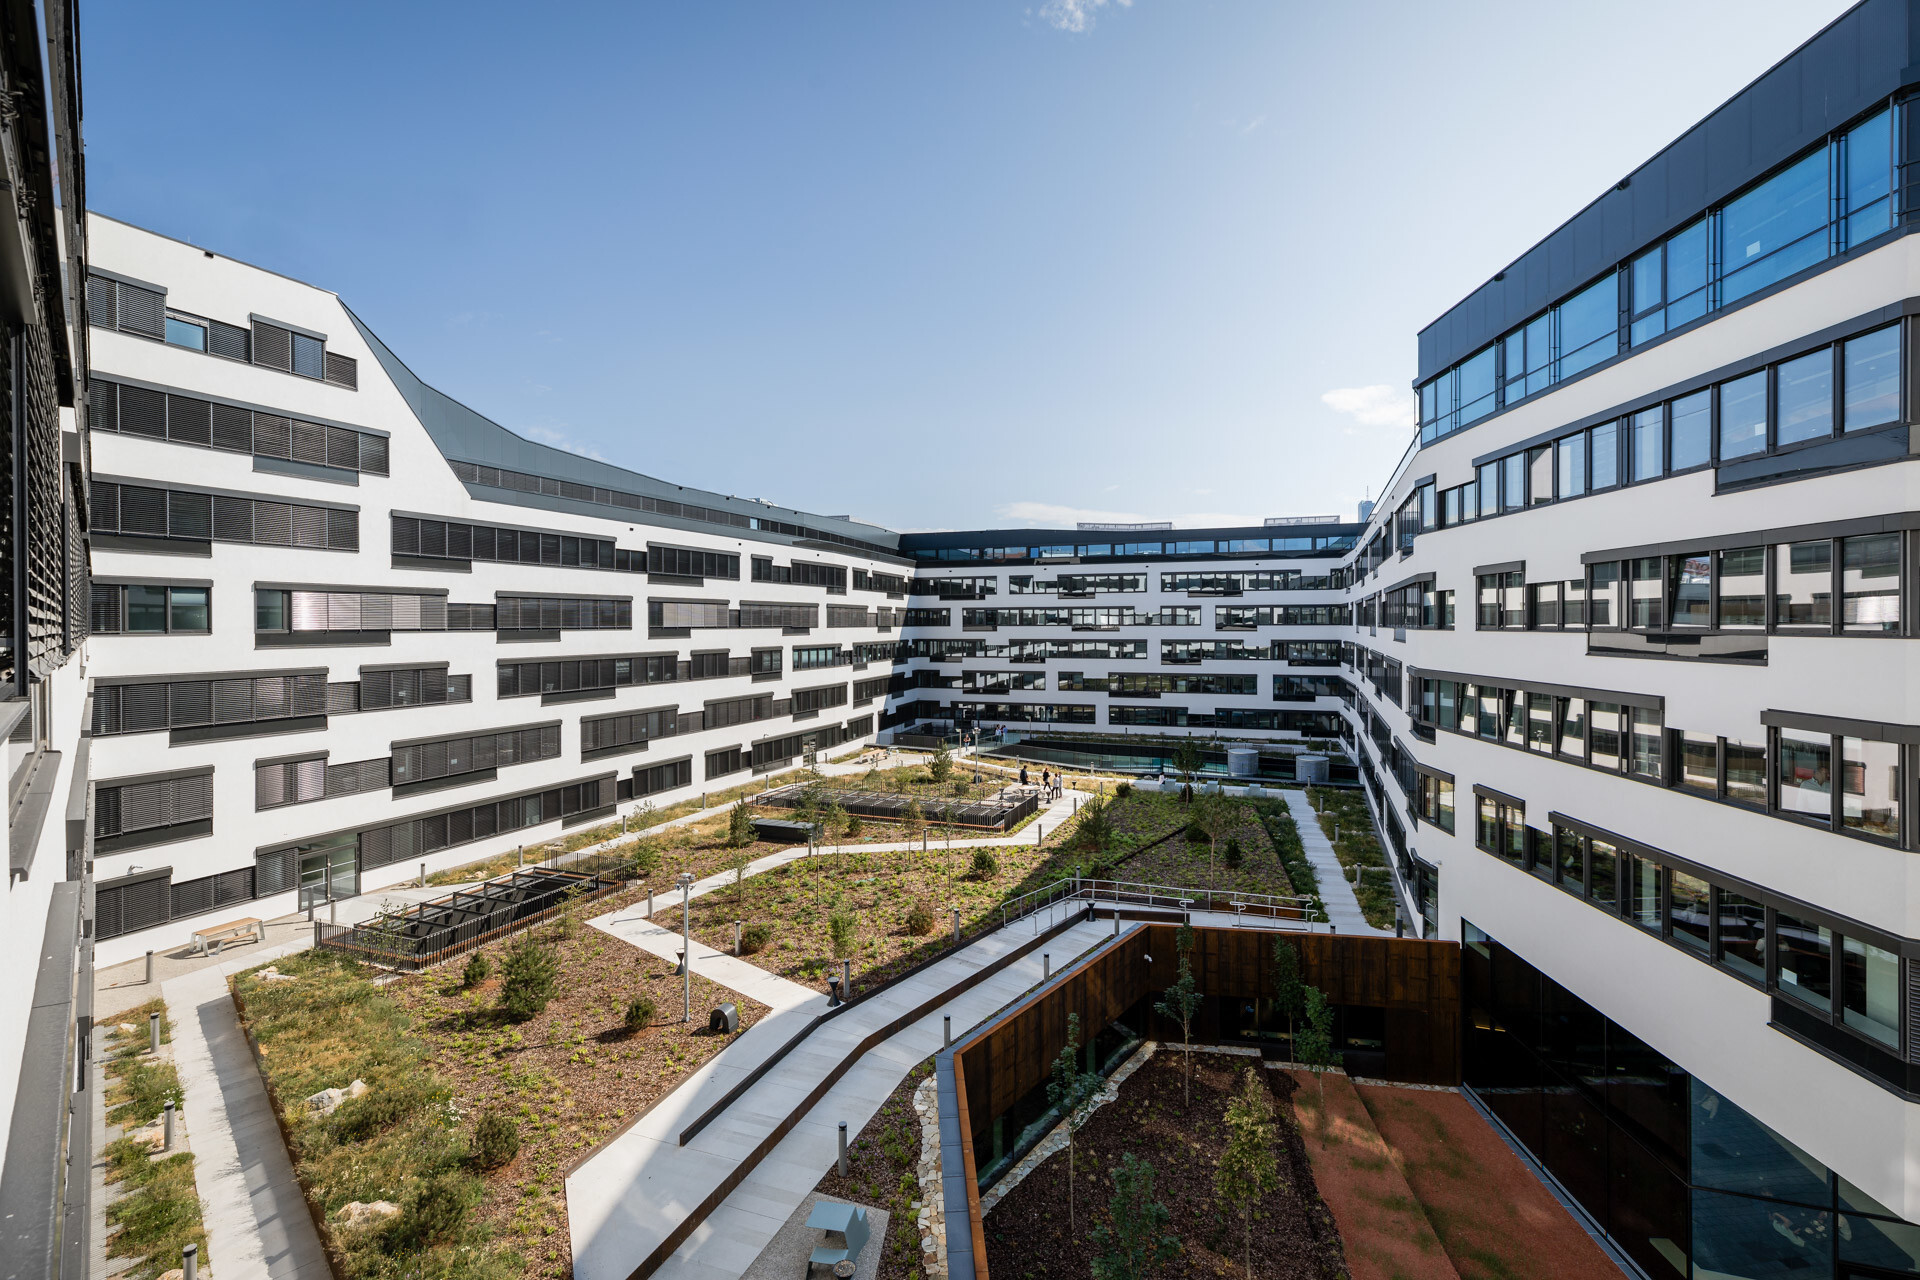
[883, 1173]
[438, 1054]
[1028, 1232]
[1191, 863]
[1344, 816]
[157, 1211]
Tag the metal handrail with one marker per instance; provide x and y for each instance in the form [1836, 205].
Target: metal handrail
[1133, 893]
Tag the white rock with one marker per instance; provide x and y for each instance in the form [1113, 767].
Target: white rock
[360, 1213]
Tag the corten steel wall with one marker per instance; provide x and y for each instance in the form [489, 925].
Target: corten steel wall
[1417, 982]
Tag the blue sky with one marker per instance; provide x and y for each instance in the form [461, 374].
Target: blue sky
[937, 265]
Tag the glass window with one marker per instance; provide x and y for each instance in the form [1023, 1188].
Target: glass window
[1603, 587]
[147, 609]
[1516, 709]
[1604, 470]
[1870, 991]
[1869, 180]
[1804, 774]
[1804, 959]
[1546, 605]
[1870, 787]
[1573, 728]
[1540, 475]
[1649, 443]
[1487, 833]
[1690, 593]
[1571, 456]
[1870, 372]
[1689, 910]
[270, 611]
[1491, 714]
[1476, 387]
[1774, 230]
[1573, 604]
[1742, 573]
[1687, 275]
[1604, 732]
[1649, 736]
[1735, 1152]
[1514, 482]
[1692, 431]
[1743, 416]
[1644, 594]
[1805, 395]
[1649, 293]
[1589, 326]
[1603, 871]
[1643, 893]
[1570, 861]
[1489, 485]
[1513, 599]
[187, 608]
[1743, 934]
[185, 333]
[1443, 803]
[1803, 585]
[1539, 350]
[1540, 723]
[1870, 582]
[1700, 764]
[1746, 772]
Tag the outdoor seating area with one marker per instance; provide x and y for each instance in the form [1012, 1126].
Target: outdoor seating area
[994, 813]
[438, 930]
[215, 936]
[845, 1232]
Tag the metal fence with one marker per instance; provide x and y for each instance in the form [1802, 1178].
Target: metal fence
[1279, 908]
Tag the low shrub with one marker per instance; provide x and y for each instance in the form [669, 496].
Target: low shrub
[920, 918]
[358, 1119]
[433, 1211]
[141, 1089]
[1122, 790]
[1233, 854]
[855, 827]
[527, 980]
[985, 865]
[639, 1014]
[754, 937]
[495, 1141]
[646, 858]
[478, 967]
[842, 925]
[1195, 835]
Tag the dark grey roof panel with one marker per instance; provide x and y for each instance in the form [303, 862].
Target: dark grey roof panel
[461, 433]
[1863, 57]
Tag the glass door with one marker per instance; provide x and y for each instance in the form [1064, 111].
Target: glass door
[329, 870]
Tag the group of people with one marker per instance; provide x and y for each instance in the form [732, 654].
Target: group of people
[1050, 782]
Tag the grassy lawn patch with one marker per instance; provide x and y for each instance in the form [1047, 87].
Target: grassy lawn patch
[1343, 815]
[158, 1215]
[438, 1056]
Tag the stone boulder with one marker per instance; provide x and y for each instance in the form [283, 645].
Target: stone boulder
[360, 1213]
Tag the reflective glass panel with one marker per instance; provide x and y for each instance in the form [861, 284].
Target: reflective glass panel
[1648, 736]
[1743, 416]
[1514, 482]
[1870, 582]
[1803, 584]
[1804, 959]
[1604, 735]
[147, 609]
[1774, 230]
[1603, 872]
[1805, 394]
[1489, 484]
[1870, 787]
[1733, 1151]
[1692, 430]
[1870, 991]
[1691, 593]
[1870, 373]
[1603, 472]
[1643, 594]
[1589, 323]
[184, 333]
[1649, 443]
[1571, 454]
[1687, 275]
[1743, 934]
[1869, 183]
[1573, 728]
[1804, 774]
[187, 607]
[1476, 387]
[1603, 589]
[1743, 588]
[1689, 910]
[1746, 772]
[270, 611]
[1643, 893]
[1700, 763]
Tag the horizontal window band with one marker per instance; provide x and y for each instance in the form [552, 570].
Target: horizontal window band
[122, 682]
[1417, 580]
[296, 758]
[1490, 794]
[1893, 522]
[147, 544]
[1745, 888]
[404, 789]
[245, 729]
[637, 711]
[1874, 730]
[623, 749]
[1644, 701]
[1863, 323]
[135, 281]
[351, 588]
[281, 846]
[1431, 772]
[589, 815]
[402, 743]
[192, 394]
[171, 486]
[662, 764]
[315, 334]
[365, 667]
[147, 837]
[1505, 566]
[141, 876]
[267, 465]
[203, 771]
[556, 595]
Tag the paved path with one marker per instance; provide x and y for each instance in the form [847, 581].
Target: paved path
[750, 980]
[256, 1217]
[627, 1198]
[1343, 909]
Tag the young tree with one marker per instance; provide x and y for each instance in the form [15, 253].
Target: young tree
[1138, 1242]
[1070, 1089]
[1095, 828]
[940, 768]
[739, 824]
[1247, 1168]
[1289, 993]
[1314, 1047]
[1218, 817]
[834, 823]
[1186, 761]
[913, 822]
[946, 859]
[1182, 1001]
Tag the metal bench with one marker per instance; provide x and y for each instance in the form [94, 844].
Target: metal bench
[217, 935]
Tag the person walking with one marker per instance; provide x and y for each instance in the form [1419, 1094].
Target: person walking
[1023, 775]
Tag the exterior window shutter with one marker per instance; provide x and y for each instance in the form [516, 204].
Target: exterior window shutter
[228, 340]
[142, 311]
[100, 305]
[272, 346]
[343, 371]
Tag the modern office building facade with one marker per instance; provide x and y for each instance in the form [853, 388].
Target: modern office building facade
[1619, 653]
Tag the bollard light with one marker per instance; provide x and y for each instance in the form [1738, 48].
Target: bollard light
[423, 875]
[1046, 965]
[736, 937]
[686, 944]
[166, 1114]
[946, 1032]
[149, 968]
[153, 1033]
[189, 1262]
[843, 1148]
[846, 979]
[956, 925]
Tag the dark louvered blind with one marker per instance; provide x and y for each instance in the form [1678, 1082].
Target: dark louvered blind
[164, 513]
[272, 346]
[142, 311]
[141, 806]
[343, 371]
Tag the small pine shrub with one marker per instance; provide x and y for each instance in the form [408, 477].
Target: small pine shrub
[1195, 835]
[842, 924]
[1122, 790]
[639, 1014]
[527, 980]
[959, 787]
[495, 1141]
[434, 1211]
[985, 865]
[755, 937]
[478, 967]
[1234, 854]
[646, 858]
[855, 827]
[920, 918]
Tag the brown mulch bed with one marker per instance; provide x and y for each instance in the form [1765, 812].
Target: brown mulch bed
[1028, 1233]
[1494, 1217]
[571, 1074]
[1387, 1235]
[883, 1172]
[1195, 865]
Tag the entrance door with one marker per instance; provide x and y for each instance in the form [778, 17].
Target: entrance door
[329, 870]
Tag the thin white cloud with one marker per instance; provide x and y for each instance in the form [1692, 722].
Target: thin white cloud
[560, 440]
[1075, 16]
[1048, 515]
[1376, 406]
[1251, 125]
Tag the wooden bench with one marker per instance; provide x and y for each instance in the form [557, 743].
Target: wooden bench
[218, 934]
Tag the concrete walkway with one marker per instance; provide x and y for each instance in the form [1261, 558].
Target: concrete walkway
[1343, 909]
[632, 926]
[630, 1196]
[256, 1217]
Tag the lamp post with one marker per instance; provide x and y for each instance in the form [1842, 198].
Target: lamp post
[685, 880]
